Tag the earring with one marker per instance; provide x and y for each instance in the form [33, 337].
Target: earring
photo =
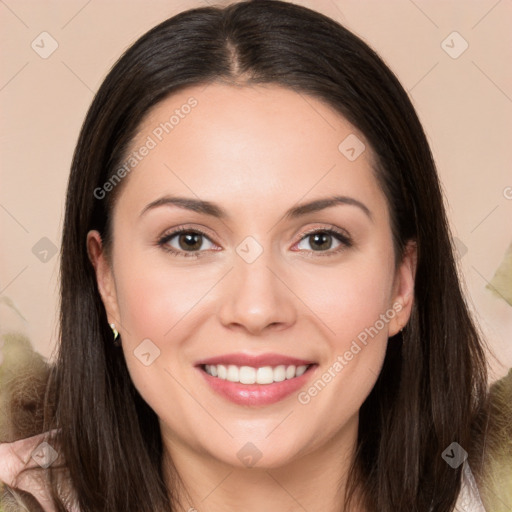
[117, 342]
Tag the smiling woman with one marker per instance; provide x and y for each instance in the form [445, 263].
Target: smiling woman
[277, 273]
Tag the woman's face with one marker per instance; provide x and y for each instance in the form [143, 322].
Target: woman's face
[263, 278]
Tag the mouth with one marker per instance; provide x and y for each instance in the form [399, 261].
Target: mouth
[256, 386]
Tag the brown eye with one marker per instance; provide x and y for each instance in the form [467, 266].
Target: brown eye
[322, 241]
[190, 241]
[183, 241]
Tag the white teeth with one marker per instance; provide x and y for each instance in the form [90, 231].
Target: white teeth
[247, 375]
[290, 372]
[279, 373]
[265, 375]
[233, 373]
[300, 370]
[250, 375]
[222, 371]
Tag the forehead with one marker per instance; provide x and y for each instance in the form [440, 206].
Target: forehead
[251, 143]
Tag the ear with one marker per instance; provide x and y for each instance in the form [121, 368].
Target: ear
[403, 290]
[104, 276]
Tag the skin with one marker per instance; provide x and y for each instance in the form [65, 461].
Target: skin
[255, 152]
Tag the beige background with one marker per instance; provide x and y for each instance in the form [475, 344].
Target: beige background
[465, 105]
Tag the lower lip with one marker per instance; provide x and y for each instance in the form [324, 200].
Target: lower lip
[257, 394]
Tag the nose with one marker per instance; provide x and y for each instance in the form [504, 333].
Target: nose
[256, 297]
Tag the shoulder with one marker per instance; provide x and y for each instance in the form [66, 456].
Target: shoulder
[496, 478]
[33, 454]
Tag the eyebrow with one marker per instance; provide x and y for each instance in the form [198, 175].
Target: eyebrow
[209, 208]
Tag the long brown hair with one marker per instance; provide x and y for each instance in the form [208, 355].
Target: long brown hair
[432, 388]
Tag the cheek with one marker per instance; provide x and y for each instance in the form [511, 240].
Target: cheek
[353, 303]
[153, 298]
[352, 300]
[155, 303]
[350, 297]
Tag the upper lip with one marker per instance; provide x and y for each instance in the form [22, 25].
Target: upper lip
[256, 361]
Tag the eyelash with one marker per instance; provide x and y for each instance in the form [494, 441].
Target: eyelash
[344, 239]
